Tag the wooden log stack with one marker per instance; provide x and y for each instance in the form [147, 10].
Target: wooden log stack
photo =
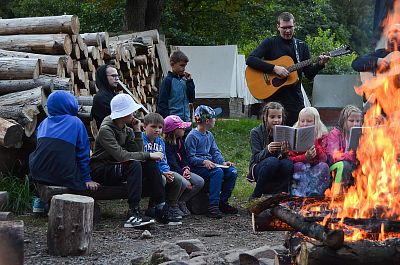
[41, 54]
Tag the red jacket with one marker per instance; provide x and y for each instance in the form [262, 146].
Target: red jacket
[320, 145]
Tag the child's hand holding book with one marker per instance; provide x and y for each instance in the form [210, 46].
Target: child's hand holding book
[311, 153]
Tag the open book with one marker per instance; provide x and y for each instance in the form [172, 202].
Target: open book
[300, 139]
[354, 138]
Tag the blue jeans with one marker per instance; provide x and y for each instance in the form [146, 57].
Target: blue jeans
[222, 182]
[272, 176]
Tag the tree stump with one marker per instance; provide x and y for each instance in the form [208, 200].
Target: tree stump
[12, 242]
[70, 225]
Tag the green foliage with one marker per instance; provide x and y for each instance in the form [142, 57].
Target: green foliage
[326, 41]
[19, 192]
[232, 137]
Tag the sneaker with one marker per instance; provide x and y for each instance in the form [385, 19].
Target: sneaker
[183, 207]
[176, 212]
[227, 209]
[214, 212]
[151, 212]
[37, 205]
[164, 216]
[137, 219]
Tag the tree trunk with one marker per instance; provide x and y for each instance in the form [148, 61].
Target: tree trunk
[10, 134]
[91, 39]
[70, 225]
[11, 86]
[40, 25]
[23, 68]
[135, 13]
[153, 14]
[44, 44]
[51, 64]
[12, 242]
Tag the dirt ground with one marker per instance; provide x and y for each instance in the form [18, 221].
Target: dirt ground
[113, 244]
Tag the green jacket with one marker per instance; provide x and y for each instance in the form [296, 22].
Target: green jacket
[116, 145]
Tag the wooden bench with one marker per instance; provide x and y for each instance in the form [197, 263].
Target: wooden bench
[103, 193]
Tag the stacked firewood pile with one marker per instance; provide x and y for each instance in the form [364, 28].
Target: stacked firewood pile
[42, 54]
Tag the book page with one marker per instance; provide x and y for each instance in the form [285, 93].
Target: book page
[221, 166]
[355, 134]
[284, 133]
[305, 138]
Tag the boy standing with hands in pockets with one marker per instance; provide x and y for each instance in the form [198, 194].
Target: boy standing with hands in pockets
[205, 160]
[177, 89]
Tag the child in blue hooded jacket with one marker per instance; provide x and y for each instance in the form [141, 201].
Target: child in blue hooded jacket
[62, 151]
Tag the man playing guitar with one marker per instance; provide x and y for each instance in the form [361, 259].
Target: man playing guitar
[277, 46]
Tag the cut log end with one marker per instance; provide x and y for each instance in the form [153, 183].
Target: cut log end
[75, 24]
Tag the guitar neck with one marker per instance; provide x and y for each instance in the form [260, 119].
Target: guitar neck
[302, 64]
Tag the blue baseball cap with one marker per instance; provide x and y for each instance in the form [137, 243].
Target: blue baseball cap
[203, 112]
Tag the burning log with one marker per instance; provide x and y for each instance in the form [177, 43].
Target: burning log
[363, 252]
[332, 238]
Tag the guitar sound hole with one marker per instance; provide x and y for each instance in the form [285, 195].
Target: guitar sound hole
[278, 81]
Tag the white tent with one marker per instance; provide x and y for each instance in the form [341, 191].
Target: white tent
[218, 72]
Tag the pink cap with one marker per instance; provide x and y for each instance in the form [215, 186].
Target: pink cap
[173, 122]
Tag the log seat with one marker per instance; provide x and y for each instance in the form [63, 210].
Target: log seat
[46, 192]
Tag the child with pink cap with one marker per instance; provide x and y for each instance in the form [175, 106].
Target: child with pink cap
[174, 129]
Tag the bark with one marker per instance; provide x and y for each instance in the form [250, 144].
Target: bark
[70, 225]
[10, 134]
[23, 68]
[104, 39]
[40, 25]
[44, 44]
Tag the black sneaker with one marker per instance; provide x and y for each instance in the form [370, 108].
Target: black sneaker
[151, 212]
[137, 219]
[165, 216]
[214, 212]
[227, 208]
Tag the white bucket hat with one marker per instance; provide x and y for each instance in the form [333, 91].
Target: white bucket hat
[123, 105]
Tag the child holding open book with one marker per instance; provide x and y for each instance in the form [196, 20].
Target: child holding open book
[342, 162]
[311, 172]
[269, 166]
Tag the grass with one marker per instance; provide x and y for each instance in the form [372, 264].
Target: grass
[20, 194]
[232, 137]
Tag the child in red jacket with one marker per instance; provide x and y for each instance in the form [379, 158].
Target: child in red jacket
[311, 172]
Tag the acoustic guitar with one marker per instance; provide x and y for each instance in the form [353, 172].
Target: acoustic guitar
[263, 85]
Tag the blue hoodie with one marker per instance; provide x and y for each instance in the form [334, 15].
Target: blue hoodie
[62, 151]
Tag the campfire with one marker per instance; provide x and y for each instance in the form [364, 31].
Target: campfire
[362, 225]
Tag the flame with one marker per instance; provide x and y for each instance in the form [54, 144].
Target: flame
[376, 193]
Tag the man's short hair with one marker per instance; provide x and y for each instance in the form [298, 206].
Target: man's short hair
[153, 118]
[285, 16]
[178, 56]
